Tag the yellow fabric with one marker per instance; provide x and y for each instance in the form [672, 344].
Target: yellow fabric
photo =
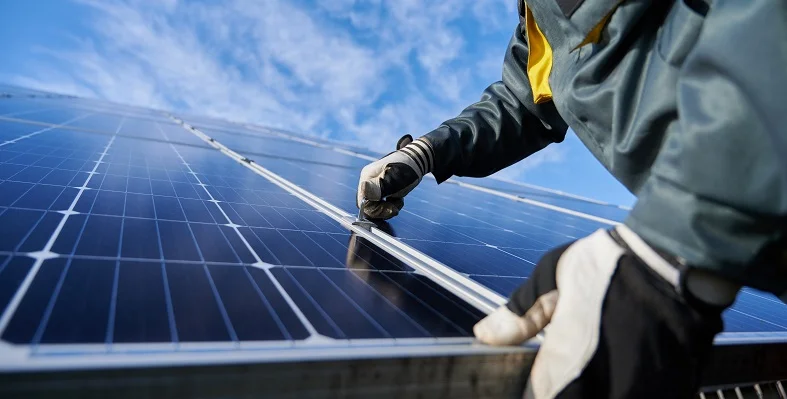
[595, 34]
[539, 60]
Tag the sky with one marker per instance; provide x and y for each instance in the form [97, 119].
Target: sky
[364, 72]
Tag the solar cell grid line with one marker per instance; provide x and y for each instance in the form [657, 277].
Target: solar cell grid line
[414, 211]
[37, 132]
[45, 332]
[399, 221]
[183, 136]
[45, 226]
[339, 185]
[45, 253]
[306, 323]
[211, 126]
[504, 282]
[588, 206]
[289, 148]
[98, 123]
[476, 296]
[109, 161]
[770, 322]
[55, 116]
[16, 114]
[353, 176]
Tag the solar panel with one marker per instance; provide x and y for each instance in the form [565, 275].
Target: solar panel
[125, 237]
[547, 196]
[251, 144]
[129, 241]
[489, 239]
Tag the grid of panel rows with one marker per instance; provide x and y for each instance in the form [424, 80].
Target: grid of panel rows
[475, 233]
[256, 144]
[145, 215]
[83, 118]
[495, 241]
[752, 312]
[606, 211]
[222, 130]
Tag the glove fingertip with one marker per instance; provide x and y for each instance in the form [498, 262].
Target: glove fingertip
[370, 191]
[405, 140]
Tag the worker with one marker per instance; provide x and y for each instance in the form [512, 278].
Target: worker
[683, 102]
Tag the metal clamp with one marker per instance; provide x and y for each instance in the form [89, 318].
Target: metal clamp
[361, 220]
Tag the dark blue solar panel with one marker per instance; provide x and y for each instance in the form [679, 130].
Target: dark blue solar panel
[607, 211]
[10, 131]
[502, 285]
[80, 307]
[12, 272]
[214, 127]
[56, 116]
[123, 124]
[493, 240]
[756, 311]
[10, 108]
[141, 304]
[372, 304]
[459, 227]
[167, 240]
[26, 327]
[256, 144]
[155, 242]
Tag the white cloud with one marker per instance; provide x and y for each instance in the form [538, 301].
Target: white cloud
[552, 154]
[364, 71]
[413, 115]
[495, 15]
[281, 63]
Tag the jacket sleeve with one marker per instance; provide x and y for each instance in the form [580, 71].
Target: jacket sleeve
[504, 127]
[717, 193]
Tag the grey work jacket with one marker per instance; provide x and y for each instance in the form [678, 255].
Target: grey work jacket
[684, 102]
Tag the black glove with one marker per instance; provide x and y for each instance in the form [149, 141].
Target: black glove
[385, 182]
[619, 320]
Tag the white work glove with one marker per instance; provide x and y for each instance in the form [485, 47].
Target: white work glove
[619, 320]
[385, 182]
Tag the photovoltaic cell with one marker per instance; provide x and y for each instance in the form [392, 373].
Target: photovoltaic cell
[448, 224]
[141, 311]
[155, 237]
[10, 131]
[11, 108]
[33, 308]
[208, 240]
[155, 128]
[55, 116]
[250, 145]
[493, 240]
[344, 306]
[607, 211]
[12, 271]
[215, 127]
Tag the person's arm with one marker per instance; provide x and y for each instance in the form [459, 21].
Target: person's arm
[634, 310]
[721, 176]
[502, 128]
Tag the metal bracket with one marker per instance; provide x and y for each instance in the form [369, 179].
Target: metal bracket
[361, 220]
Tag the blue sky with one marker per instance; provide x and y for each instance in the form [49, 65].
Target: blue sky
[365, 72]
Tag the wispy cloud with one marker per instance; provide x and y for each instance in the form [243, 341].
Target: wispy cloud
[287, 64]
[551, 154]
[362, 71]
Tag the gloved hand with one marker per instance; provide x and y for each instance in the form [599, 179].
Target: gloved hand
[385, 182]
[620, 319]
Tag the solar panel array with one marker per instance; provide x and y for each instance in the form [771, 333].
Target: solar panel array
[122, 230]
